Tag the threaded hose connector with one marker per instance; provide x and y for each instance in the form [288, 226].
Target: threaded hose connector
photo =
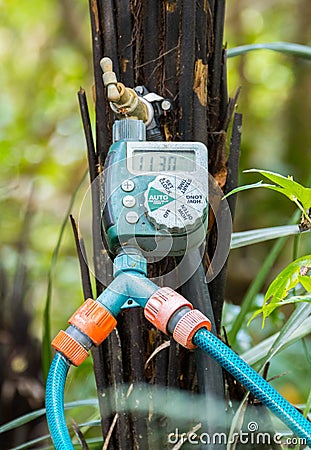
[89, 325]
[93, 320]
[162, 305]
[188, 325]
[70, 348]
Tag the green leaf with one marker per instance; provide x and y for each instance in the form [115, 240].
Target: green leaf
[243, 188]
[286, 280]
[283, 191]
[267, 310]
[282, 284]
[295, 299]
[297, 193]
[257, 283]
[254, 315]
[242, 238]
[289, 48]
[33, 442]
[305, 281]
[297, 319]
[290, 186]
[260, 184]
[42, 439]
[297, 326]
[22, 420]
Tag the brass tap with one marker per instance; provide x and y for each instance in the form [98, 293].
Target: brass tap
[123, 100]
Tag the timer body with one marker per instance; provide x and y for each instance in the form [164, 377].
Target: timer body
[154, 196]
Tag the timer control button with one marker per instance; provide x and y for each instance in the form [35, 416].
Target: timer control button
[129, 201]
[127, 185]
[132, 217]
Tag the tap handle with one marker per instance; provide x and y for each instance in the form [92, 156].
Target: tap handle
[110, 80]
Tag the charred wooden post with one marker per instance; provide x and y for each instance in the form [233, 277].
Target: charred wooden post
[174, 48]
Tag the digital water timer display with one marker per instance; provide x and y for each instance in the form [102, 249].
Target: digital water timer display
[155, 161]
[155, 196]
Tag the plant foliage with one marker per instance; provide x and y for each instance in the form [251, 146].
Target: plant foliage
[282, 290]
[297, 193]
[289, 48]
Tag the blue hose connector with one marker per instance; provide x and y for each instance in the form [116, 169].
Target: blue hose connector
[259, 387]
[55, 413]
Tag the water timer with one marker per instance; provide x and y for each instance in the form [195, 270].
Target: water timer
[154, 193]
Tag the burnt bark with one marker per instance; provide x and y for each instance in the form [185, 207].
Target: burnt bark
[174, 48]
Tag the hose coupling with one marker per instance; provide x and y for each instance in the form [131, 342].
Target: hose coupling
[171, 313]
[89, 325]
[188, 325]
[70, 347]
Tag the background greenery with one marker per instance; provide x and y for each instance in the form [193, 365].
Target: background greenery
[45, 54]
[275, 101]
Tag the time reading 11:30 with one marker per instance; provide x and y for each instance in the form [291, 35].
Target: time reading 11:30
[163, 161]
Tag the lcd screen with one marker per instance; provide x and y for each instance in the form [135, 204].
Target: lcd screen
[155, 161]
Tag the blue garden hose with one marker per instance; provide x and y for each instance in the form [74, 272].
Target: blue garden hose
[55, 414]
[259, 387]
[133, 283]
[210, 344]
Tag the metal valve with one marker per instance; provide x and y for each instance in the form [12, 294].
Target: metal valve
[124, 101]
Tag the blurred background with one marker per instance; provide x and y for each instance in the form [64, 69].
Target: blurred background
[45, 54]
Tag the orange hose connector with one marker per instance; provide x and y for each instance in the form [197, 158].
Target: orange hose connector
[93, 320]
[70, 348]
[188, 325]
[162, 305]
